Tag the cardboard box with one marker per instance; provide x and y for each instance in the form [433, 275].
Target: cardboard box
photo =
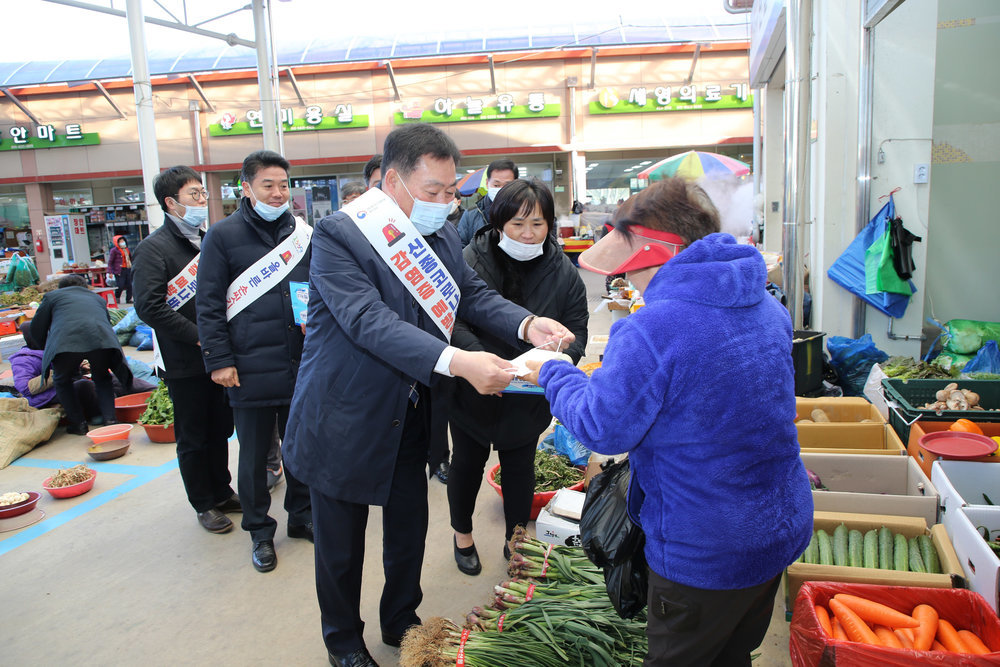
[849, 409]
[797, 573]
[556, 530]
[843, 438]
[961, 484]
[873, 484]
[920, 428]
[979, 562]
[594, 464]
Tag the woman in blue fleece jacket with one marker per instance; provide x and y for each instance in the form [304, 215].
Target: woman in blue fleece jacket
[698, 388]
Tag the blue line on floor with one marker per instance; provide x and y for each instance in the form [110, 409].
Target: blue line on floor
[115, 468]
[145, 476]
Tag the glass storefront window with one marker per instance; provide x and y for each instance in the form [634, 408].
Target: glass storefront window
[73, 198]
[132, 194]
[14, 211]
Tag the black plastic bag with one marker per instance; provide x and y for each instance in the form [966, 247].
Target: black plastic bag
[901, 241]
[607, 533]
[628, 584]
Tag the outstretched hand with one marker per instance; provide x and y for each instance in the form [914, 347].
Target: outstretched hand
[535, 367]
[546, 333]
[487, 372]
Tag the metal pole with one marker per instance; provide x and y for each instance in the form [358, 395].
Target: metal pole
[144, 109]
[265, 79]
[798, 28]
[758, 149]
[865, 81]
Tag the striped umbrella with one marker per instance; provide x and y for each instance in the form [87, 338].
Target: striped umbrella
[469, 183]
[694, 165]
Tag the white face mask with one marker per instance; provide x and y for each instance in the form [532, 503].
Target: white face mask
[492, 193]
[195, 216]
[522, 252]
[268, 212]
[426, 216]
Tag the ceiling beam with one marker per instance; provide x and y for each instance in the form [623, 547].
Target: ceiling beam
[107, 96]
[201, 93]
[295, 85]
[20, 105]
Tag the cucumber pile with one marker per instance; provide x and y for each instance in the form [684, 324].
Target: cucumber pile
[879, 549]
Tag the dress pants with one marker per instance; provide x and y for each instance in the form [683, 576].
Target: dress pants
[340, 545]
[468, 459]
[255, 430]
[203, 422]
[65, 371]
[695, 626]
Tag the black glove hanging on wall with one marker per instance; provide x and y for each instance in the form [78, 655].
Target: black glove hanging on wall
[901, 241]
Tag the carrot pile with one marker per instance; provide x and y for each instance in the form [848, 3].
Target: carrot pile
[858, 619]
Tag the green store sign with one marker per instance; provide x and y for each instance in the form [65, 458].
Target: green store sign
[448, 110]
[668, 98]
[343, 118]
[20, 138]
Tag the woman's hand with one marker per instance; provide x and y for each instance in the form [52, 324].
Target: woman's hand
[546, 333]
[532, 377]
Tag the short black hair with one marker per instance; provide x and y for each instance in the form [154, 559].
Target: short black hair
[521, 196]
[352, 188]
[168, 183]
[503, 165]
[72, 280]
[374, 163]
[259, 160]
[407, 144]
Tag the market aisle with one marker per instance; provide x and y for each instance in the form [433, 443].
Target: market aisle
[125, 575]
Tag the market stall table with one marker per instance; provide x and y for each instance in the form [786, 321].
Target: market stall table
[95, 275]
[574, 246]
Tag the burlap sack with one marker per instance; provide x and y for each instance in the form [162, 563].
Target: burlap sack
[22, 427]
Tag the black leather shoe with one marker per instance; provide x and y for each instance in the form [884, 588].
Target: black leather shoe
[264, 559]
[441, 472]
[215, 521]
[470, 564]
[77, 429]
[359, 658]
[230, 505]
[506, 551]
[303, 531]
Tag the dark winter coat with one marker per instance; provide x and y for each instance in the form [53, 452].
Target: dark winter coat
[368, 341]
[72, 319]
[117, 256]
[262, 342]
[551, 287]
[158, 259]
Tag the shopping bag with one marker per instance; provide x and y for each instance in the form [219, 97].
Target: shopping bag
[848, 270]
[627, 584]
[880, 272]
[608, 535]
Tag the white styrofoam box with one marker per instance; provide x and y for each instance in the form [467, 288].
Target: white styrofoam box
[872, 484]
[568, 504]
[556, 529]
[980, 563]
[961, 483]
[9, 345]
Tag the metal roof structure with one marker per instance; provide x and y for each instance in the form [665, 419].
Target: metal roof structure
[304, 49]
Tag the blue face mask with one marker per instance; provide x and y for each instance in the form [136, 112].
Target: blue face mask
[268, 212]
[427, 217]
[195, 215]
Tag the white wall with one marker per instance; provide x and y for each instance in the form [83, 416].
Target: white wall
[902, 121]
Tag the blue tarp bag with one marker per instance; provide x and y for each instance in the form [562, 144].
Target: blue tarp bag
[853, 359]
[987, 360]
[848, 270]
[567, 445]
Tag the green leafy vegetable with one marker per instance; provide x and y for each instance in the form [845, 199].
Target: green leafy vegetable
[552, 472]
[159, 408]
[905, 368]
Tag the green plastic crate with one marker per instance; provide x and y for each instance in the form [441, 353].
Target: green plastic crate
[911, 394]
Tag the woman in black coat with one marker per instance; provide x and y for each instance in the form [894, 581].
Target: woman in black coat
[516, 254]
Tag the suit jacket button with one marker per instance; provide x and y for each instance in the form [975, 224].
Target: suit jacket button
[395, 423]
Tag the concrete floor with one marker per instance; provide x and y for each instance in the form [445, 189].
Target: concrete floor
[124, 574]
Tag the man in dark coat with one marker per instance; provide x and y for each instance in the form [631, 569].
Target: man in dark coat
[165, 279]
[249, 339]
[72, 324]
[498, 174]
[366, 397]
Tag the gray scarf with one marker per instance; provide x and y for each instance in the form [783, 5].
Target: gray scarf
[190, 233]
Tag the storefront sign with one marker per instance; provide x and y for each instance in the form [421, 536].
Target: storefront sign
[641, 99]
[343, 117]
[448, 110]
[20, 137]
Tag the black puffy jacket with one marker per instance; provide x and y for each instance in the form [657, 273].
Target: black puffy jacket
[551, 287]
[262, 342]
[156, 261]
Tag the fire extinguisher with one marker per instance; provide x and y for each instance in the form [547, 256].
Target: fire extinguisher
[39, 246]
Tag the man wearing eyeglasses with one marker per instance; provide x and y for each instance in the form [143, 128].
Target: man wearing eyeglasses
[165, 279]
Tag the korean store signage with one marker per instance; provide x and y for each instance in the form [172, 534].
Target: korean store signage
[20, 137]
[641, 99]
[313, 118]
[449, 110]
